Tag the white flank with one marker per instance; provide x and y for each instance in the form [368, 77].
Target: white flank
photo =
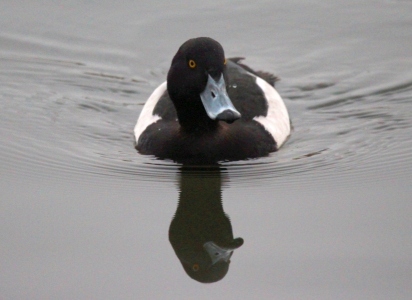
[277, 121]
[146, 117]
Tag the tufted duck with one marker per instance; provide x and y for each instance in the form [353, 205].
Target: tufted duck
[212, 109]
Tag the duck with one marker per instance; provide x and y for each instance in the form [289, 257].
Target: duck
[212, 109]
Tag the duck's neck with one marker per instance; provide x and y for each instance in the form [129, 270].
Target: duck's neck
[197, 123]
[192, 117]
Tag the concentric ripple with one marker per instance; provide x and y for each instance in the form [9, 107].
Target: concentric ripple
[78, 119]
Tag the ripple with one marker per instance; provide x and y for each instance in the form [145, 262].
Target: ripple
[76, 124]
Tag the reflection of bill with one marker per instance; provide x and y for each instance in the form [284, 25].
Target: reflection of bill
[201, 233]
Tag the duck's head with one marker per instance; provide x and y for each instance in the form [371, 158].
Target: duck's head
[196, 83]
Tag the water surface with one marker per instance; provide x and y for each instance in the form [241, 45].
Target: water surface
[83, 216]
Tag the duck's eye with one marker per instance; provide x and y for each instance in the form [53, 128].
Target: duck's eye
[225, 61]
[192, 64]
[195, 267]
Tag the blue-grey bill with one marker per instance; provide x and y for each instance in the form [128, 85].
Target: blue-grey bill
[217, 253]
[216, 100]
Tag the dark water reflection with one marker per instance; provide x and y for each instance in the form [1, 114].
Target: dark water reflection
[201, 233]
[83, 216]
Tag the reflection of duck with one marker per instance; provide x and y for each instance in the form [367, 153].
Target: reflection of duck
[200, 233]
[180, 120]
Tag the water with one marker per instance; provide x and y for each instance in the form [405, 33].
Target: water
[83, 216]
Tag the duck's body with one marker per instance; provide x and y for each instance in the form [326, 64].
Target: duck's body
[191, 119]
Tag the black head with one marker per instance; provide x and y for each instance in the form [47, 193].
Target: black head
[196, 83]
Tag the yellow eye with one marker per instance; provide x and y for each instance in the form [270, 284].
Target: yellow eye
[195, 267]
[225, 61]
[192, 64]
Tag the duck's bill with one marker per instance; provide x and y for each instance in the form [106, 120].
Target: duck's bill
[218, 253]
[217, 102]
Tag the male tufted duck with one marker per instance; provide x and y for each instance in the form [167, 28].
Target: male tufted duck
[212, 109]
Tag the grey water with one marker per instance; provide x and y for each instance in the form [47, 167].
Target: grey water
[84, 216]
